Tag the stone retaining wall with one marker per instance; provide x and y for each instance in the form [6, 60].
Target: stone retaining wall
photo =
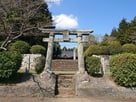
[29, 61]
[34, 85]
[102, 86]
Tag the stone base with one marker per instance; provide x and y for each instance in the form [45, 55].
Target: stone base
[106, 92]
[101, 87]
[35, 86]
[79, 79]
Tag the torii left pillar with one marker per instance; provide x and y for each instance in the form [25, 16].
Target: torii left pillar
[47, 79]
[49, 53]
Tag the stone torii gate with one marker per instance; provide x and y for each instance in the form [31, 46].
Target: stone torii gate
[79, 39]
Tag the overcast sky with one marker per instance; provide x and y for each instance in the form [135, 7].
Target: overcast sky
[98, 15]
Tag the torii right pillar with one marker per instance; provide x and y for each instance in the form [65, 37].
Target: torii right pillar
[81, 65]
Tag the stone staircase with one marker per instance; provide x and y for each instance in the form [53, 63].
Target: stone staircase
[64, 65]
[65, 70]
[65, 87]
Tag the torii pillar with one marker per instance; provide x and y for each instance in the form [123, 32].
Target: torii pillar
[74, 54]
[81, 66]
[49, 53]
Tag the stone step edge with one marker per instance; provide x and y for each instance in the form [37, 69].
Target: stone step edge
[65, 72]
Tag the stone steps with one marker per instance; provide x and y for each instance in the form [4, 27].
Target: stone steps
[65, 70]
[64, 65]
[65, 85]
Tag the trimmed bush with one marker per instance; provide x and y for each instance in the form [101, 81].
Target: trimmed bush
[93, 65]
[123, 69]
[40, 63]
[129, 48]
[9, 64]
[38, 49]
[104, 50]
[114, 47]
[93, 49]
[20, 46]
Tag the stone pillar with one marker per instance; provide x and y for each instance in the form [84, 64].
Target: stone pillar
[105, 64]
[74, 54]
[49, 53]
[81, 66]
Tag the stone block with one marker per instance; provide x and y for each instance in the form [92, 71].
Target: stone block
[29, 61]
[35, 86]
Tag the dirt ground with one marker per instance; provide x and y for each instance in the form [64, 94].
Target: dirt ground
[72, 99]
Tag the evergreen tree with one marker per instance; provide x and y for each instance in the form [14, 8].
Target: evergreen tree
[123, 31]
[132, 31]
[114, 32]
[56, 50]
[126, 32]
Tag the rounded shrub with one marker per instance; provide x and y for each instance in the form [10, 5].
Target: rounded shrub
[9, 64]
[129, 48]
[20, 46]
[38, 49]
[123, 69]
[93, 49]
[40, 63]
[93, 65]
[104, 50]
[114, 47]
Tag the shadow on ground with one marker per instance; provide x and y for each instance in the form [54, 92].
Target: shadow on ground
[18, 78]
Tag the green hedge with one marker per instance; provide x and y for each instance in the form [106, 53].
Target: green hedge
[93, 65]
[123, 69]
[129, 48]
[92, 50]
[20, 46]
[9, 64]
[111, 48]
[38, 49]
[114, 47]
[104, 50]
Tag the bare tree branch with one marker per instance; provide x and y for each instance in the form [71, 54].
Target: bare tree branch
[16, 16]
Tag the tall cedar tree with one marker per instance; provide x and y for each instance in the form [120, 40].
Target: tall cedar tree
[126, 32]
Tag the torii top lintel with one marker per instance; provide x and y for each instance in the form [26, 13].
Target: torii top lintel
[71, 32]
